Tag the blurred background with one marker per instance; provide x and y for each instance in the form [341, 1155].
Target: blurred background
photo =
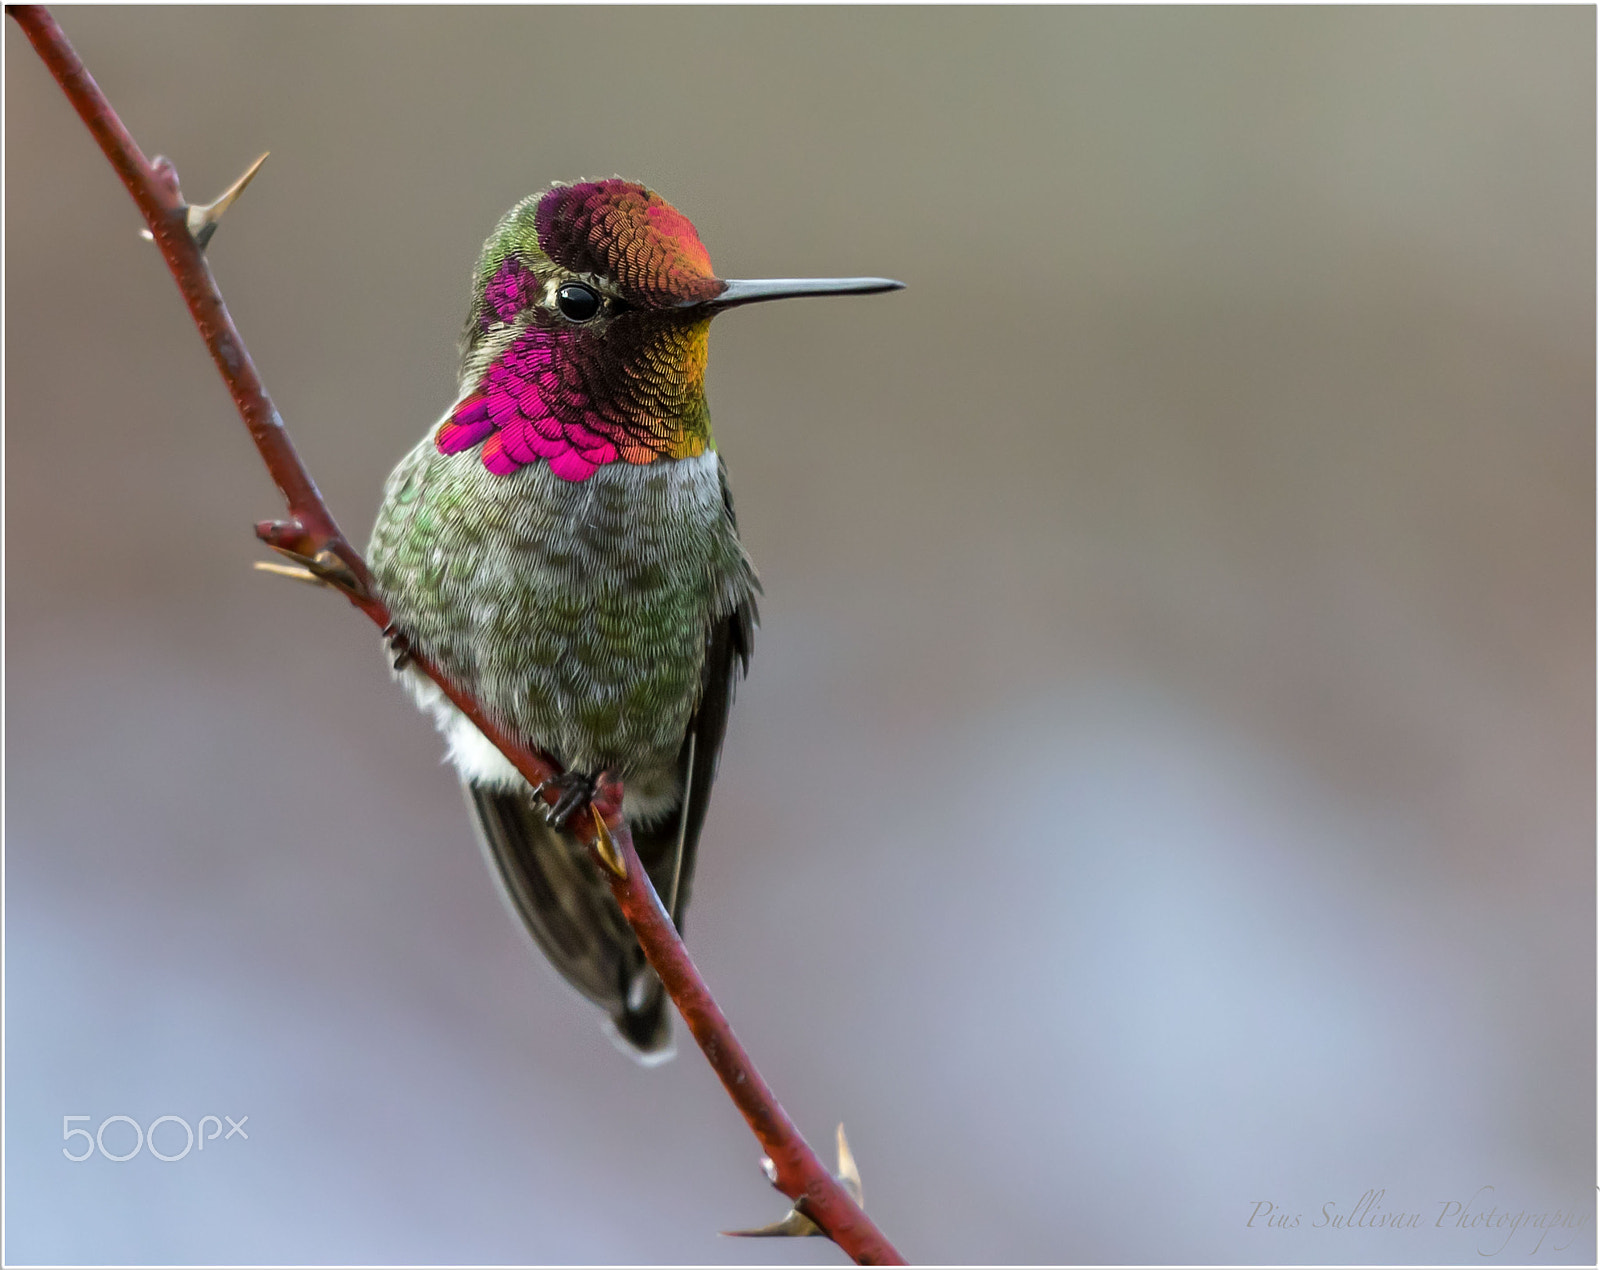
[1165, 784]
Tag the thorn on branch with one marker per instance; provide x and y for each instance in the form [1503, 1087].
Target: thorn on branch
[849, 1174]
[289, 538]
[794, 1224]
[202, 218]
[604, 847]
[298, 572]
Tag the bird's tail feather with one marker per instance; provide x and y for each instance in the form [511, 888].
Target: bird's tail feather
[560, 896]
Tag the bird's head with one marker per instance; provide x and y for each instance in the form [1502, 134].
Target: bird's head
[586, 343]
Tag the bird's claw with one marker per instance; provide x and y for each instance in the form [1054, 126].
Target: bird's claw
[574, 790]
[399, 644]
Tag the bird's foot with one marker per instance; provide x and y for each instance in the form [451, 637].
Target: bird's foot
[399, 644]
[575, 789]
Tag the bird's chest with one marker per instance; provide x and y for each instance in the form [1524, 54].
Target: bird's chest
[576, 611]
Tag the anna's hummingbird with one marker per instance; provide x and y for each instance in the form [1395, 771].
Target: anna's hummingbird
[562, 544]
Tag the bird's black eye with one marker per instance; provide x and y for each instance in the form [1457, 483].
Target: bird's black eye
[577, 302]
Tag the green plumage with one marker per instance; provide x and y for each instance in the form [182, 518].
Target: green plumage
[577, 612]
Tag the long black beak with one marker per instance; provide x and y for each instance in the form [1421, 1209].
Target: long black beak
[751, 290]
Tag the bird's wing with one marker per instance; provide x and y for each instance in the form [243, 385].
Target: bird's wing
[668, 849]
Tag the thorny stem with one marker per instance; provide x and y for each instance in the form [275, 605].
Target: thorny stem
[312, 535]
[800, 1175]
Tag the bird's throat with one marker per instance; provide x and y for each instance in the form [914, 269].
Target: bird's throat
[580, 400]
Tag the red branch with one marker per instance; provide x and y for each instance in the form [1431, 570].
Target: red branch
[312, 536]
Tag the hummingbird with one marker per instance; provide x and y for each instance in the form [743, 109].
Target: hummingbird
[562, 543]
